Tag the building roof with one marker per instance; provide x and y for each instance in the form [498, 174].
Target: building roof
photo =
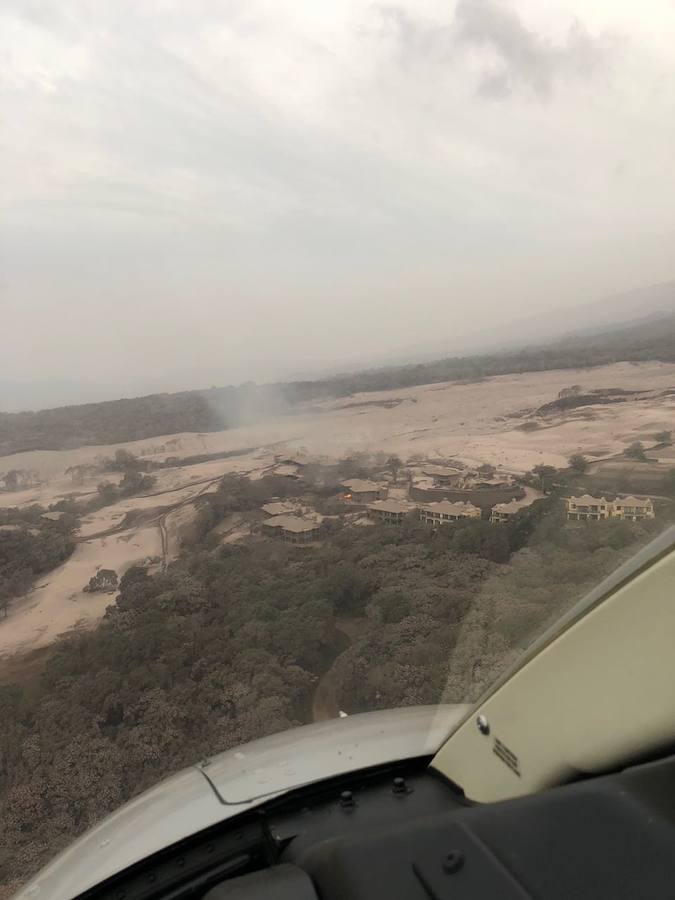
[442, 471]
[392, 506]
[497, 481]
[296, 524]
[586, 499]
[361, 485]
[299, 460]
[511, 507]
[287, 470]
[278, 508]
[447, 507]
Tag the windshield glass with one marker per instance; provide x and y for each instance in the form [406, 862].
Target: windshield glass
[338, 364]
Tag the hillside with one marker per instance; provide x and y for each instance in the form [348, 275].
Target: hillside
[227, 407]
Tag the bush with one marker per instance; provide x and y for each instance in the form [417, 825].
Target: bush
[393, 603]
[481, 539]
[134, 482]
[107, 492]
[578, 464]
[104, 581]
[635, 451]
[350, 589]
[28, 552]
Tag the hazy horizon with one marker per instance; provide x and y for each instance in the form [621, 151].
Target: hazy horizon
[625, 310]
[216, 192]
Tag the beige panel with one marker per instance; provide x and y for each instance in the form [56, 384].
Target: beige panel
[598, 695]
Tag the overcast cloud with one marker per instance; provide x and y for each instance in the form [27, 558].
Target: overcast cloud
[199, 193]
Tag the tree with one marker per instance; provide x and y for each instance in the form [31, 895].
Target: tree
[350, 588]
[578, 463]
[104, 581]
[487, 470]
[11, 480]
[481, 538]
[545, 474]
[134, 482]
[28, 551]
[107, 492]
[352, 466]
[635, 451]
[572, 391]
[663, 437]
[394, 604]
[394, 464]
[124, 460]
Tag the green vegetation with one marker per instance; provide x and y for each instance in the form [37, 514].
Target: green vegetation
[124, 461]
[394, 464]
[134, 481]
[30, 546]
[132, 419]
[570, 398]
[578, 464]
[104, 581]
[106, 423]
[663, 437]
[571, 391]
[558, 565]
[544, 476]
[228, 643]
[635, 451]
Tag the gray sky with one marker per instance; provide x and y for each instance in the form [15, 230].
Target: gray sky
[199, 193]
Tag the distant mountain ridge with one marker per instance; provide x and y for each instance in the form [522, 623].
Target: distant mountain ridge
[620, 311]
[118, 421]
[613, 311]
[594, 330]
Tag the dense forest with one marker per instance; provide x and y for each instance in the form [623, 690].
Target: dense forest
[229, 642]
[218, 408]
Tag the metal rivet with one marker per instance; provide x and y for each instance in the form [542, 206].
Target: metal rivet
[483, 724]
[346, 798]
[400, 785]
[453, 862]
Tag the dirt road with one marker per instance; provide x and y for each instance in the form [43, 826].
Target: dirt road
[58, 604]
[326, 701]
[161, 520]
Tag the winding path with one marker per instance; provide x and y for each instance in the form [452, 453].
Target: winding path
[326, 703]
[158, 514]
